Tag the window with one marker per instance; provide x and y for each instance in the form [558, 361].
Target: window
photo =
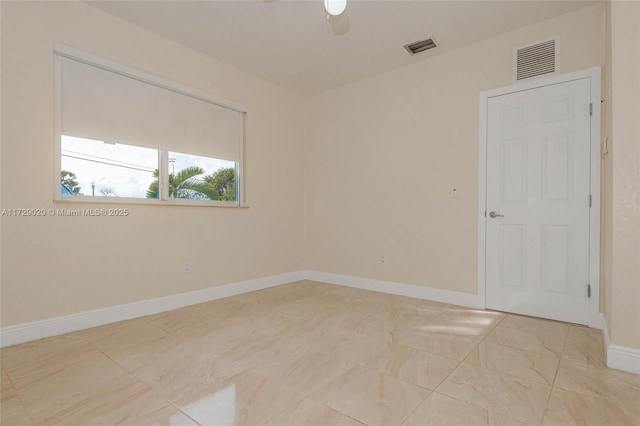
[100, 169]
[129, 136]
[201, 178]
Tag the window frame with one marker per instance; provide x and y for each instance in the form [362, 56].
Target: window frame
[61, 50]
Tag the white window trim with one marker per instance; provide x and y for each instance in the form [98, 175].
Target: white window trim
[62, 50]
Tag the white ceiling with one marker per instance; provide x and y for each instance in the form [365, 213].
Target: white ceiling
[293, 45]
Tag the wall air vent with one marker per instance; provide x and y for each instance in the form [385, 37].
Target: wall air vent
[420, 46]
[534, 59]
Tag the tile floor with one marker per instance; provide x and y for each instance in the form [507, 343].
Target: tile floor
[317, 354]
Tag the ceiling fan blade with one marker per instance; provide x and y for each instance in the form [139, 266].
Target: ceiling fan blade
[340, 23]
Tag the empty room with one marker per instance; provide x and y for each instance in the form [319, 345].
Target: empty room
[320, 212]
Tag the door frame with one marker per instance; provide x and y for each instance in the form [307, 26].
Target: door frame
[594, 74]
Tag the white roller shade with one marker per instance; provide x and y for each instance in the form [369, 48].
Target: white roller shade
[105, 105]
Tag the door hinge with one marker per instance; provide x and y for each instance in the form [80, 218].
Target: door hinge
[590, 200]
[591, 108]
[485, 213]
[588, 290]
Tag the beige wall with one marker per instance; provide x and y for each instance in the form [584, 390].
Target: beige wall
[381, 155]
[55, 266]
[622, 174]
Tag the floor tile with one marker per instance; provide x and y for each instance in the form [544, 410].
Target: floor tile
[272, 297]
[305, 371]
[585, 346]
[344, 320]
[532, 341]
[464, 322]
[580, 332]
[7, 390]
[402, 313]
[568, 408]
[363, 307]
[446, 345]
[421, 303]
[120, 401]
[343, 291]
[251, 314]
[309, 412]
[441, 410]
[135, 349]
[69, 386]
[263, 349]
[245, 399]
[186, 320]
[270, 322]
[301, 327]
[316, 354]
[123, 333]
[230, 306]
[371, 397]
[49, 349]
[531, 324]
[521, 399]
[314, 287]
[221, 337]
[176, 378]
[378, 327]
[517, 363]
[12, 412]
[303, 308]
[165, 416]
[353, 347]
[328, 299]
[128, 327]
[29, 362]
[366, 302]
[413, 366]
[618, 386]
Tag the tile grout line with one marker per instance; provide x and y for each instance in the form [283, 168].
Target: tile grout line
[130, 374]
[458, 365]
[495, 371]
[185, 414]
[581, 392]
[18, 392]
[24, 406]
[416, 409]
[555, 376]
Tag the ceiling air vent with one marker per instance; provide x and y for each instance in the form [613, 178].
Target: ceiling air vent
[420, 46]
[534, 59]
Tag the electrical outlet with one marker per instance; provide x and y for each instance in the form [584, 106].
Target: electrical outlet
[382, 260]
[186, 267]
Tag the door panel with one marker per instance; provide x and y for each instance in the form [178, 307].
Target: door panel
[514, 171]
[538, 165]
[513, 259]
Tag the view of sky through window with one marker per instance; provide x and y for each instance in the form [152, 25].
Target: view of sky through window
[119, 170]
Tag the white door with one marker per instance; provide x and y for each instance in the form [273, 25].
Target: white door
[538, 180]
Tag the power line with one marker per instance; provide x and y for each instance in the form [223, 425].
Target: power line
[103, 158]
[109, 164]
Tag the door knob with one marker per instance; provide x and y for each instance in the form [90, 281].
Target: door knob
[494, 214]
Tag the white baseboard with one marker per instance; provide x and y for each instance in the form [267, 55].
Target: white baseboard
[27, 332]
[620, 357]
[30, 331]
[400, 289]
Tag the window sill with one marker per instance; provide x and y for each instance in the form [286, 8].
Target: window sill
[78, 199]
